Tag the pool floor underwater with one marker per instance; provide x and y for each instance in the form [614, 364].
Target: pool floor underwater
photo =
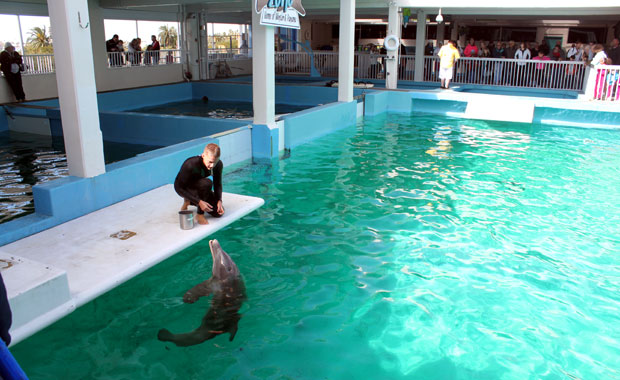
[405, 247]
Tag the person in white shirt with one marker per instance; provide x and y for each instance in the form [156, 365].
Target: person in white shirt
[598, 62]
[522, 54]
[576, 51]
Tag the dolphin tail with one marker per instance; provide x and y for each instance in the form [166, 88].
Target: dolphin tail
[187, 339]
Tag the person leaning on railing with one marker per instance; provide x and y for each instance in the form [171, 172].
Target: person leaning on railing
[598, 63]
[540, 70]
[12, 65]
[471, 51]
[523, 54]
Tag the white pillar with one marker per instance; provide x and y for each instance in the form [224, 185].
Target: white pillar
[263, 72]
[441, 31]
[192, 38]
[21, 35]
[345, 50]
[391, 77]
[420, 41]
[77, 90]
[610, 35]
[540, 34]
[454, 34]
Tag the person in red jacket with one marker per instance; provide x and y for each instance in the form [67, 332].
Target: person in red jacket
[471, 51]
[154, 50]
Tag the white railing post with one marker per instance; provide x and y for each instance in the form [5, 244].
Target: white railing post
[589, 82]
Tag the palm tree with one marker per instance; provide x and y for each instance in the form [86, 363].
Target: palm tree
[39, 41]
[168, 37]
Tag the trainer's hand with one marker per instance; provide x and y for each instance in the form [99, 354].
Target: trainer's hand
[204, 206]
[220, 208]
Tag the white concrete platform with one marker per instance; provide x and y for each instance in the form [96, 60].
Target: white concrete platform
[499, 108]
[85, 252]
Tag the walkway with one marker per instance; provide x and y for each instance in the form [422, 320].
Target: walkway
[51, 273]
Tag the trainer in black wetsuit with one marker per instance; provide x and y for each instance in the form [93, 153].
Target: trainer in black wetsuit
[192, 183]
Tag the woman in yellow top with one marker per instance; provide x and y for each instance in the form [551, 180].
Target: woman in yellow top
[448, 55]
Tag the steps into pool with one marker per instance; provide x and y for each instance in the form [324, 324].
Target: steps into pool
[73, 263]
[499, 108]
[35, 290]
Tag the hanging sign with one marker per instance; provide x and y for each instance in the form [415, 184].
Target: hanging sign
[282, 13]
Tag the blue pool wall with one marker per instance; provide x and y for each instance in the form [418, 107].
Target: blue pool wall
[151, 129]
[553, 111]
[305, 126]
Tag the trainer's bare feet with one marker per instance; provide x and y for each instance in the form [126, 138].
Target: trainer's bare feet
[185, 205]
[201, 219]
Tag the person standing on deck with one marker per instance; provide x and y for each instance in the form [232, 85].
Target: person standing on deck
[196, 189]
[448, 56]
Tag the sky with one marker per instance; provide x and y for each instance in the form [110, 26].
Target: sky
[9, 28]
[126, 29]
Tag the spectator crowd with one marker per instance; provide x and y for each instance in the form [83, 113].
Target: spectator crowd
[521, 69]
[133, 55]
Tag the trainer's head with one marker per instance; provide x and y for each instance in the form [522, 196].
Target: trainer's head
[211, 155]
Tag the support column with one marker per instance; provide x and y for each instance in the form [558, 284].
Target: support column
[391, 77]
[192, 38]
[346, 57]
[441, 31]
[540, 34]
[77, 90]
[610, 35]
[420, 41]
[454, 34]
[263, 72]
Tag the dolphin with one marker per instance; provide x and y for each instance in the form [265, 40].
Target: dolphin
[296, 4]
[228, 291]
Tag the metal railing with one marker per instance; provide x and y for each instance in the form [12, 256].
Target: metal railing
[44, 63]
[143, 58]
[559, 75]
[241, 53]
[367, 66]
[38, 64]
[604, 83]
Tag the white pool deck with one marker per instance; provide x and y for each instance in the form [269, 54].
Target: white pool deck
[49, 274]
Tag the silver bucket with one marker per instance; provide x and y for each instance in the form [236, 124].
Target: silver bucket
[186, 219]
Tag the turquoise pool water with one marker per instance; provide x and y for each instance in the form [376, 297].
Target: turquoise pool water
[401, 248]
